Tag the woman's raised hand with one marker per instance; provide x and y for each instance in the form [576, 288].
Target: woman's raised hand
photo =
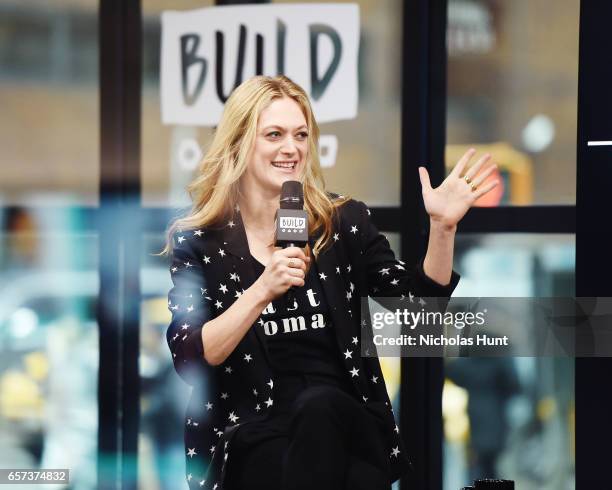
[287, 267]
[448, 203]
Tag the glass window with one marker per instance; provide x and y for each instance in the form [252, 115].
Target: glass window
[49, 351]
[49, 97]
[368, 155]
[511, 417]
[512, 91]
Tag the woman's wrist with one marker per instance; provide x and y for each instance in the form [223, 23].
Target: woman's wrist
[436, 226]
[260, 293]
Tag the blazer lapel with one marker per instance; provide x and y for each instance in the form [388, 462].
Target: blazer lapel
[235, 240]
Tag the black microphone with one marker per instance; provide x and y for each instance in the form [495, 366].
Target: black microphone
[291, 222]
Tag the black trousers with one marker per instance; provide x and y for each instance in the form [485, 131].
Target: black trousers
[319, 436]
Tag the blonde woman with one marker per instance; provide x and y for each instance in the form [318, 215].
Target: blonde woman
[282, 397]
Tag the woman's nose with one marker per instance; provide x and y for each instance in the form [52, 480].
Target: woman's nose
[288, 146]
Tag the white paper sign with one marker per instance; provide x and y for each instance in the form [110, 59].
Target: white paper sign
[206, 53]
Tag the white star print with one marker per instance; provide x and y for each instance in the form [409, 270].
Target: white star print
[400, 267]
[181, 239]
[374, 379]
[189, 477]
[269, 402]
[337, 270]
[233, 417]
[206, 259]
[348, 268]
[228, 369]
[354, 372]
[336, 237]
[209, 406]
[222, 252]
[349, 295]
[218, 304]
[322, 276]
[174, 269]
[223, 288]
[348, 354]
[411, 296]
[255, 391]
[352, 287]
[257, 407]
[188, 264]
[422, 302]
[248, 358]
[365, 399]
[192, 452]
[202, 483]
[224, 396]
[215, 486]
[184, 326]
[384, 271]
[353, 229]
[189, 308]
[198, 233]
[355, 340]
[234, 276]
[394, 282]
[271, 384]
[231, 224]
[395, 451]
[396, 429]
[212, 449]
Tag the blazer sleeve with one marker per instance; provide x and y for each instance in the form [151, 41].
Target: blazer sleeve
[190, 310]
[388, 276]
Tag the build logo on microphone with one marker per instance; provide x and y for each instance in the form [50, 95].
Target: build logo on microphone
[292, 224]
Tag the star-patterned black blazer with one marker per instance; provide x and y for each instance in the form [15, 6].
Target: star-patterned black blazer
[210, 269]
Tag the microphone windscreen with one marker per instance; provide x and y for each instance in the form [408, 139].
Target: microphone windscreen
[292, 195]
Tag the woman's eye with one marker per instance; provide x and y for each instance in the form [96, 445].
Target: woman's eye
[303, 135]
[274, 134]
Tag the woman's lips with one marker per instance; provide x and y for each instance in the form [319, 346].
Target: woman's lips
[286, 165]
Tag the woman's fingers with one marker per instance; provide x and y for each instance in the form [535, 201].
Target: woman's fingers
[294, 252]
[463, 161]
[483, 175]
[473, 170]
[484, 189]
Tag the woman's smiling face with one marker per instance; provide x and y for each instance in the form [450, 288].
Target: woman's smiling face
[281, 146]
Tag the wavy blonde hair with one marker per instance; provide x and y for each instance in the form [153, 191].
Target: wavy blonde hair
[215, 188]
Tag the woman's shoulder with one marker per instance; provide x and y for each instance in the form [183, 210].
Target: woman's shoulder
[194, 239]
[348, 207]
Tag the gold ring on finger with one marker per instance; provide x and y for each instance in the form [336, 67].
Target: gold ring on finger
[474, 187]
[467, 179]
[290, 262]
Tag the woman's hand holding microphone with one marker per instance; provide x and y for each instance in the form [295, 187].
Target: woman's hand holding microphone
[286, 268]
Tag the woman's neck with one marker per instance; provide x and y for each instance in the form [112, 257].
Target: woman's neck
[258, 210]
